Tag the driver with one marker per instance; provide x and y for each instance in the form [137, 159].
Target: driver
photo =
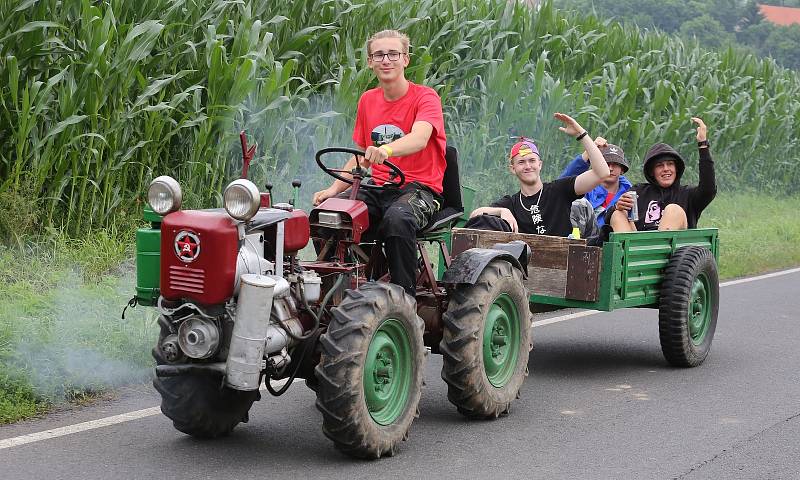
[401, 122]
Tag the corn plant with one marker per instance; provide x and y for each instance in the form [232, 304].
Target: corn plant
[97, 98]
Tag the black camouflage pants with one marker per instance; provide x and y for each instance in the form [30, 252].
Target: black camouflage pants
[395, 216]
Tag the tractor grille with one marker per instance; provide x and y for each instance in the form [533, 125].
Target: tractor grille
[187, 279]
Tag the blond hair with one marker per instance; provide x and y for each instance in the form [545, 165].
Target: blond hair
[388, 34]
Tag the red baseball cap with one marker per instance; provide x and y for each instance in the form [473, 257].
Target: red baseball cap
[524, 147]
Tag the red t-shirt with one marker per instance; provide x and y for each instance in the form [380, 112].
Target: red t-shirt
[379, 122]
[609, 196]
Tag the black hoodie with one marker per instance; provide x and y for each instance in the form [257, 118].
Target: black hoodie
[653, 198]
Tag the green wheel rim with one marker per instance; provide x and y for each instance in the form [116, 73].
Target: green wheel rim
[388, 372]
[699, 309]
[501, 341]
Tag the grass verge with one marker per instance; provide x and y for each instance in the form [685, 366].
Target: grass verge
[61, 337]
[758, 233]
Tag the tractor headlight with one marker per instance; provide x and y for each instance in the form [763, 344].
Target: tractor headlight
[242, 199]
[164, 195]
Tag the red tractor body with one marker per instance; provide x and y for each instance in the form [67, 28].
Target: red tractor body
[198, 260]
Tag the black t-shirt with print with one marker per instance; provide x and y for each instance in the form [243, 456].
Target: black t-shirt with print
[552, 215]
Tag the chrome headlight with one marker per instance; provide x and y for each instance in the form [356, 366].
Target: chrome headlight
[164, 195]
[242, 199]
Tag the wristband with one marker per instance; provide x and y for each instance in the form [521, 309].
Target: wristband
[703, 143]
[580, 137]
[387, 149]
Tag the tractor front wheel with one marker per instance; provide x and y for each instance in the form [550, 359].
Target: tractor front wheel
[689, 304]
[486, 342]
[370, 371]
[200, 405]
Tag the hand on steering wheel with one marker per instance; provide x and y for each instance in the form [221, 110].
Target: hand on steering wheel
[394, 171]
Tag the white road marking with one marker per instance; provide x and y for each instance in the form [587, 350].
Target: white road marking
[586, 313]
[149, 412]
[548, 321]
[78, 427]
[760, 277]
[92, 424]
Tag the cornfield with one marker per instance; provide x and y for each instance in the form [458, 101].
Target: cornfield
[97, 98]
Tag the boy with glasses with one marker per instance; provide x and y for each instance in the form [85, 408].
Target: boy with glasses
[538, 207]
[403, 122]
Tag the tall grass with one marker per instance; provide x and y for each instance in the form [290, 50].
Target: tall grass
[96, 98]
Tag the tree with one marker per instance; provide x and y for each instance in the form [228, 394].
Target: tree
[708, 31]
[781, 44]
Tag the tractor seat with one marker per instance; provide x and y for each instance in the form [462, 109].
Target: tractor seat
[452, 208]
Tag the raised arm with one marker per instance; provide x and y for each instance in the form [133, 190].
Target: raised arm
[706, 188]
[580, 163]
[586, 181]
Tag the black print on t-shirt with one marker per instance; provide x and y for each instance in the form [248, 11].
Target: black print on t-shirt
[383, 134]
[653, 214]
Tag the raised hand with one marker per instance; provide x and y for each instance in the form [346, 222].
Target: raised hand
[571, 126]
[702, 130]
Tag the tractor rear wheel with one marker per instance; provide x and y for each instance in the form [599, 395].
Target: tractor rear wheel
[200, 405]
[486, 342]
[370, 371]
[689, 304]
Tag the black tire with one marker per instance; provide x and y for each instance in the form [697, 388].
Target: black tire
[474, 385]
[688, 306]
[200, 405]
[360, 322]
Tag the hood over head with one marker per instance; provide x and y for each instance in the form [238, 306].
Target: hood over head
[661, 151]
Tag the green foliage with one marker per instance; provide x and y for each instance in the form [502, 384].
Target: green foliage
[758, 232]
[713, 24]
[97, 98]
[61, 337]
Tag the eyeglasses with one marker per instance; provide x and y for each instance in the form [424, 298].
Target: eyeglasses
[379, 56]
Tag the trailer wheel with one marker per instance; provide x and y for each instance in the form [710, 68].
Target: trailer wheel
[486, 342]
[689, 305]
[200, 405]
[370, 371]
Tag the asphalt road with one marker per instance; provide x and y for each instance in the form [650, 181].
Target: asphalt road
[600, 403]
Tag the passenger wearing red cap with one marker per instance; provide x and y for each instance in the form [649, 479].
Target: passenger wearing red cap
[539, 207]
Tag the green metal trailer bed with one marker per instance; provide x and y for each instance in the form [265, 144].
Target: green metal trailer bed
[673, 271]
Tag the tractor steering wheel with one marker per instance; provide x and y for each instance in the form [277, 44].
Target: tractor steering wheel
[336, 173]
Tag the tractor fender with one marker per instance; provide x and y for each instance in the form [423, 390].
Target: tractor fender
[467, 266]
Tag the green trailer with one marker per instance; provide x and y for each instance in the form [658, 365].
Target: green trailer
[673, 271]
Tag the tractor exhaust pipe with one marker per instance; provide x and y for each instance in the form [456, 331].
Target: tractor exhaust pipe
[246, 353]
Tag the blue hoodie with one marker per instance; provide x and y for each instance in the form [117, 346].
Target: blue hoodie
[598, 195]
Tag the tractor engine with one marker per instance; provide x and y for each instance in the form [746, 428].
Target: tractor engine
[225, 305]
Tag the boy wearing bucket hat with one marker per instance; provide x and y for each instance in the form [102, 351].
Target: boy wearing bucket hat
[665, 204]
[607, 193]
[539, 207]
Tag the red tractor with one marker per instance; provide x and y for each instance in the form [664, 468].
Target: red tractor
[238, 310]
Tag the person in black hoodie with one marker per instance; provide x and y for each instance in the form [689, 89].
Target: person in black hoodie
[665, 204]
